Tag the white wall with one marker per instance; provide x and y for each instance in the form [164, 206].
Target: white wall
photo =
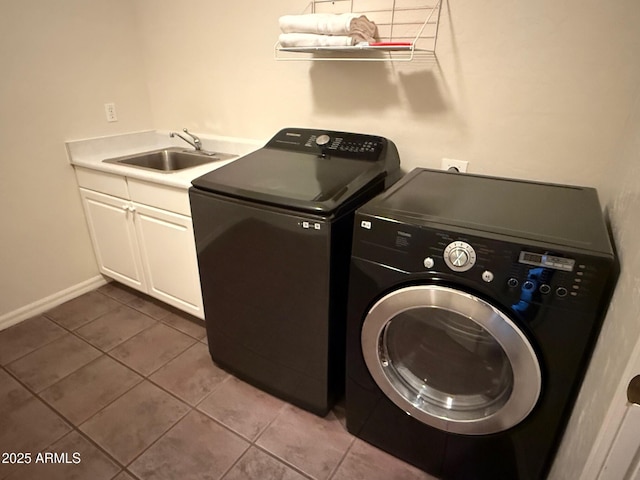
[529, 90]
[61, 61]
[621, 329]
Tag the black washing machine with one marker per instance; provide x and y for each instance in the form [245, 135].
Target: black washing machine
[474, 305]
[273, 237]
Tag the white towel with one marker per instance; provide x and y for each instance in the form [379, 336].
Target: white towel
[357, 26]
[313, 40]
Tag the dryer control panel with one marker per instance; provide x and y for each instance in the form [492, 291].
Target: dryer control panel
[547, 261]
[519, 274]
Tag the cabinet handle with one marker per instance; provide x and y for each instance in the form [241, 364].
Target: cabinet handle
[132, 209]
[125, 207]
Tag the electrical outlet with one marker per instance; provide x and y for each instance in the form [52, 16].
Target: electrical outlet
[453, 165]
[110, 111]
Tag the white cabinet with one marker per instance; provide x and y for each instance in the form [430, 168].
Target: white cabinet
[113, 233]
[169, 257]
[147, 247]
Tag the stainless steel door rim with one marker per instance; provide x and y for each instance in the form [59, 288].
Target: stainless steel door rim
[468, 413]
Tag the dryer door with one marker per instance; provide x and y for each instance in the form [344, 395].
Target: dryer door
[451, 360]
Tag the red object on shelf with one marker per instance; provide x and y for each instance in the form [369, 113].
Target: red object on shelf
[390, 44]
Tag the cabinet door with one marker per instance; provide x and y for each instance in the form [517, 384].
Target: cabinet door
[169, 257]
[110, 221]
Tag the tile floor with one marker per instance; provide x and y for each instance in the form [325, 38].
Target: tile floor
[127, 385]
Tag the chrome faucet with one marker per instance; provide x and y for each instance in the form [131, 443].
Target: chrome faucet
[194, 141]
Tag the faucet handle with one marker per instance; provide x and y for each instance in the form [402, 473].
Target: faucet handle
[191, 134]
[195, 143]
[196, 140]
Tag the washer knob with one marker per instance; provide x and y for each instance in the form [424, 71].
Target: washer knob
[428, 262]
[459, 256]
[322, 140]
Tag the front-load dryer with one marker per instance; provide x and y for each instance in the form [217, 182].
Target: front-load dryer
[474, 305]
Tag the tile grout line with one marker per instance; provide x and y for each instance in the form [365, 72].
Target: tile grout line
[161, 436]
[69, 373]
[339, 464]
[66, 330]
[147, 377]
[32, 351]
[106, 352]
[195, 409]
[46, 314]
[237, 460]
[273, 455]
[77, 335]
[142, 378]
[284, 462]
[74, 428]
[251, 443]
[197, 404]
[170, 309]
[275, 417]
[102, 352]
[73, 332]
[170, 360]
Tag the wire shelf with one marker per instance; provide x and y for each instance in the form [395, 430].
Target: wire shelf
[406, 29]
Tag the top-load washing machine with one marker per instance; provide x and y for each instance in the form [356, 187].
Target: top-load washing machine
[273, 238]
[474, 306]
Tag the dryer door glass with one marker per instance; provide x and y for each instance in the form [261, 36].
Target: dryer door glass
[451, 360]
[456, 367]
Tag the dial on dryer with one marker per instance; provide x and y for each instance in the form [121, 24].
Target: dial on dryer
[459, 256]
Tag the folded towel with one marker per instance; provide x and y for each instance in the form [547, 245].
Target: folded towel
[313, 40]
[362, 29]
[357, 26]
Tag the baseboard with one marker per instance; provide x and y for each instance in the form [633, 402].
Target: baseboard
[47, 303]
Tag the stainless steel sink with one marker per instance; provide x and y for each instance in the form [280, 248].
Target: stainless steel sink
[169, 160]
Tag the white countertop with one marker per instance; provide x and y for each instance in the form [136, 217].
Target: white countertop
[90, 153]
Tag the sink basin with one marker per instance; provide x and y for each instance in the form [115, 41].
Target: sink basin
[169, 160]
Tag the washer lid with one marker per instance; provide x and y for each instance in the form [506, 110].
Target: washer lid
[299, 169]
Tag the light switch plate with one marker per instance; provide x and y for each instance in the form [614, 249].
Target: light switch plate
[110, 111]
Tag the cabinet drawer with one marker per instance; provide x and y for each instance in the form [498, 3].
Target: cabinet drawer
[102, 182]
[160, 196]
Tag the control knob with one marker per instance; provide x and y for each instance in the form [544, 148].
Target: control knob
[322, 140]
[459, 256]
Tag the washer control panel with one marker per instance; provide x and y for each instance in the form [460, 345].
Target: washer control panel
[459, 256]
[326, 142]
